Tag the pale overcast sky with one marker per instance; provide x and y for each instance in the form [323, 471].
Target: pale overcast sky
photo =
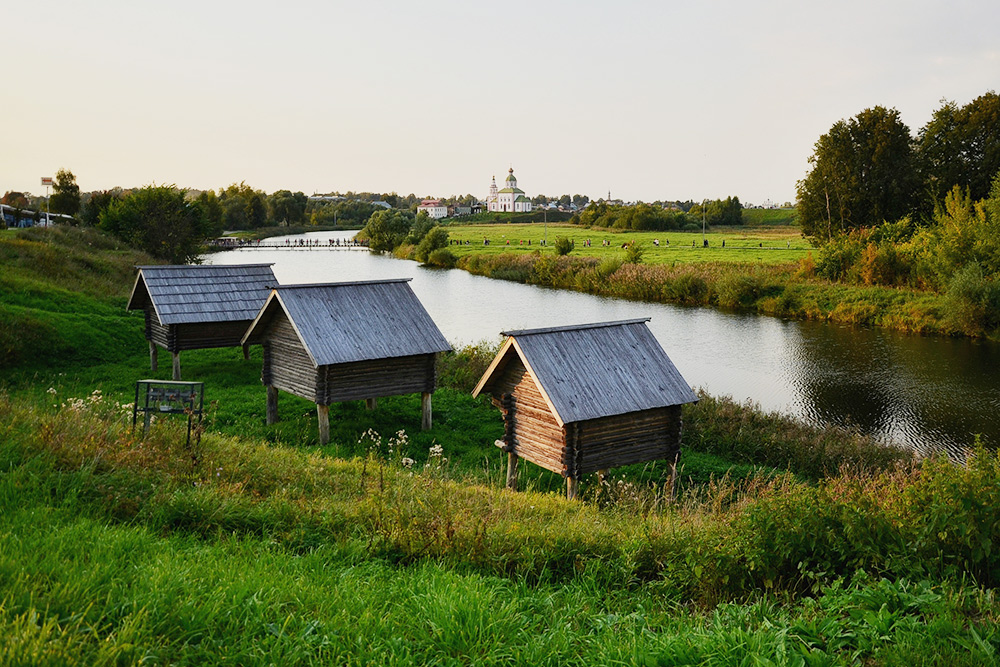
[650, 100]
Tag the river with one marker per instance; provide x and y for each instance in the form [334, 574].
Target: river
[926, 393]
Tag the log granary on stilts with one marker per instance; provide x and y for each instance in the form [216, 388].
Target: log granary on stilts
[192, 307]
[586, 398]
[337, 342]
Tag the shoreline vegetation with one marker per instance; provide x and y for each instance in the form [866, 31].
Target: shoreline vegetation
[785, 543]
[768, 270]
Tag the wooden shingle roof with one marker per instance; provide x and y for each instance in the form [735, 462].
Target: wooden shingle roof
[594, 370]
[189, 294]
[353, 321]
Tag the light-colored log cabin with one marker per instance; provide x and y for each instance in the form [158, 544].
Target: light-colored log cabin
[586, 398]
[193, 307]
[337, 342]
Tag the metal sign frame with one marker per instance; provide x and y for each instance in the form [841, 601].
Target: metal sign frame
[168, 397]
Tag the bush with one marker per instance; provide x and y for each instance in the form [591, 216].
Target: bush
[563, 245]
[435, 239]
[443, 258]
[972, 302]
[633, 253]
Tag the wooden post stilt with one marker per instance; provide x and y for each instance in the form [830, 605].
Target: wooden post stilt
[572, 484]
[177, 364]
[153, 356]
[512, 471]
[371, 403]
[323, 412]
[246, 352]
[272, 405]
[426, 420]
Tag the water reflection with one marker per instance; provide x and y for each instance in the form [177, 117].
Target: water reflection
[927, 393]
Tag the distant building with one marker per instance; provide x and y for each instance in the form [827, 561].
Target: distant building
[511, 199]
[434, 208]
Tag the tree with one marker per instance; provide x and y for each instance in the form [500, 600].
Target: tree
[386, 229]
[435, 239]
[863, 172]
[211, 213]
[159, 220]
[90, 213]
[256, 210]
[65, 193]
[242, 207]
[961, 146]
[422, 224]
[285, 207]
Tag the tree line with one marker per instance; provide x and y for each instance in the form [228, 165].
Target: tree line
[871, 168]
[890, 208]
[656, 217]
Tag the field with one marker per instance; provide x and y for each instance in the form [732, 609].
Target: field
[787, 545]
[768, 245]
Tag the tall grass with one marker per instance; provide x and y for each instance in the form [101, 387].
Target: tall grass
[790, 291]
[727, 540]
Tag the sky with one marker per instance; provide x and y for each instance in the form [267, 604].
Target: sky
[645, 99]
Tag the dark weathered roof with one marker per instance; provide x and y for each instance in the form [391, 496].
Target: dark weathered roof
[595, 370]
[188, 294]
[354, 321]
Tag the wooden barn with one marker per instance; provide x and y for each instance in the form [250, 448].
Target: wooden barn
[586, 398]
[192, 307]
[337, 342]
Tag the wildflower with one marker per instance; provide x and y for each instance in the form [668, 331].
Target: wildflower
[407, 462]
[52, 390]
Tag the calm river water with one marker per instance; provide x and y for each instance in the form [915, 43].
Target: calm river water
[923, 392]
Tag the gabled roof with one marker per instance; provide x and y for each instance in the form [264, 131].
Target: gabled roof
[353, 321]
[189, 294]
[590, 371]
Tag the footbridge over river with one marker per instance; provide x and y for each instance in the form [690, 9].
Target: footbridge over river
[288, 244]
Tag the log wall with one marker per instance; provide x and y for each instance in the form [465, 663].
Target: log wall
[200, 336]
[532, 430]
[376, 378]
[287, 365]
[635, 437]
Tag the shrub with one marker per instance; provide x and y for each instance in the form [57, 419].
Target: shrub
[563, 245]
[633, 253]
[435, 239]
[443, 258]
[972, 302]
[738, 290]
[687, 288]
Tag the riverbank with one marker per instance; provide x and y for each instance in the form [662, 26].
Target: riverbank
[254, 545]
[764, 270]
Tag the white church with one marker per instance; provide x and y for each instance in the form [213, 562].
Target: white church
[511, 199]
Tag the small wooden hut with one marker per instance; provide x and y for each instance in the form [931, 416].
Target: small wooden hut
[586, 398]
[346, 341]
[191, 307]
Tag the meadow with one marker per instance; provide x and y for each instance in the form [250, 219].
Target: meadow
[767, 244]
[786, 544]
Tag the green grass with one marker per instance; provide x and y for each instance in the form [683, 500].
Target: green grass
[256, 546]
[769, 245]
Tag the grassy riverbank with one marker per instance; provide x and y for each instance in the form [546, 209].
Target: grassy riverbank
[256, 546]
[768, 270]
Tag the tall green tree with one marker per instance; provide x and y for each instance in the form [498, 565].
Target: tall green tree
[961, 146]
[65, 193]
[159, 220]
[286, 207]
[90, 213]
[387, 228]
[863, 172]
